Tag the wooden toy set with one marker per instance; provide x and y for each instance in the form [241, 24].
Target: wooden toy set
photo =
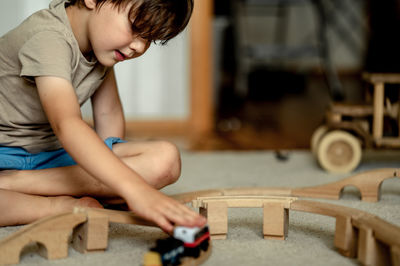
[349, 128]
[358, 234]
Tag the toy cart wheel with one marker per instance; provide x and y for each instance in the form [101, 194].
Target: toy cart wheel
[339, 152]
[316, 137]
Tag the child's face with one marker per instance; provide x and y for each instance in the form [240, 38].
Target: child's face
[111, 37]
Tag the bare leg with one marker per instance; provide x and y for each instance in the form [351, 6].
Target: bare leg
[22, 208]
[157, 162]
[26, 196]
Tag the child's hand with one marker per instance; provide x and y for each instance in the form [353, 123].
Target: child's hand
[162, 210]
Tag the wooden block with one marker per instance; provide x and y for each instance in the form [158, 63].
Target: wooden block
[217, 217]
[383, 231]
[275, 221]
[92, 235]
[370, 251]
[346, 237]
[366, 246]
[395, 254]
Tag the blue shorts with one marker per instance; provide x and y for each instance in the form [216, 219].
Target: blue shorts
[15, 158]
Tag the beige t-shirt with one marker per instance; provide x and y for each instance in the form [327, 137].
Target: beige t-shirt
[43, 45]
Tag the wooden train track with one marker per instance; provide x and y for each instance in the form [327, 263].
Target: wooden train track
[53, 232]
[368, 183]
[358, 233]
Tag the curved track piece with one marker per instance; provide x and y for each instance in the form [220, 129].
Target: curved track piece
[91, 234]
[358, 233]
[368, 182]
[51, 232]
[122, 217]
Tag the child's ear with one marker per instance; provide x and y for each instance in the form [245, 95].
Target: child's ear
[90, 4]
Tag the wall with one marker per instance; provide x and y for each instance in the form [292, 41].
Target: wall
[155, 86]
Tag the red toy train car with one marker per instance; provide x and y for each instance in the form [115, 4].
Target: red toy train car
[186, 242]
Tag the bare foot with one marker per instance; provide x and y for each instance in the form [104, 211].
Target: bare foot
[19, 208]
[62, 204]
[89, 202]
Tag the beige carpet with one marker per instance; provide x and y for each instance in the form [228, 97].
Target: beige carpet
[310, 239]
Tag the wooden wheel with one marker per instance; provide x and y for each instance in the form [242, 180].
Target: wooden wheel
[316, 137]
[339, 152]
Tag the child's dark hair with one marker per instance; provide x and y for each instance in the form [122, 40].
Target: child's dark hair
[154, 20]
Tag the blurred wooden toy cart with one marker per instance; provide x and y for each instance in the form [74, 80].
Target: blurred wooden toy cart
[348, 128]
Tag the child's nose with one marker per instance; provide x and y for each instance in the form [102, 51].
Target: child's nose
[139, 45]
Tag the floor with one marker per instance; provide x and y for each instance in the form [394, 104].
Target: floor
[311, 237]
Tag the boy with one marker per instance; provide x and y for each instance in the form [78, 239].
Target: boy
[51, 64]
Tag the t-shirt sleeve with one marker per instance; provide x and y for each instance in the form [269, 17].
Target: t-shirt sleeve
[46, 54]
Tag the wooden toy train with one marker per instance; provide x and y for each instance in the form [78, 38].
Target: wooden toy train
[185, 242]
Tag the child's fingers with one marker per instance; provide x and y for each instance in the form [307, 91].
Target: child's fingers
[165, 225]
[193, 217]
[167, 212]
[163, 222]
[182, 215]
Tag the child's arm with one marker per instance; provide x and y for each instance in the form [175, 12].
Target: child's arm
[108, 115]
[88, 150]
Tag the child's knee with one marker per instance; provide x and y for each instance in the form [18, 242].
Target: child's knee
[169, 162]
